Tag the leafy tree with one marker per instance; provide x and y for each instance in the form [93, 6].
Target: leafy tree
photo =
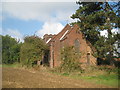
[10, 50]
[94, 17]
[33, 49]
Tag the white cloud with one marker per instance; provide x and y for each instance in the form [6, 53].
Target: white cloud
[42, 11]
[105, 33]
[115, 30]
[50, 13]
[57, 0]
[14, 34]
[0, 11]
[50, 28]
[39, 0]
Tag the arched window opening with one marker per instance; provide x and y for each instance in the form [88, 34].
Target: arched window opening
[88, 58]
[77, 46]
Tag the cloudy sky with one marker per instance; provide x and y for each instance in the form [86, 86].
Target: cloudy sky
[19, 18]
[28, 18]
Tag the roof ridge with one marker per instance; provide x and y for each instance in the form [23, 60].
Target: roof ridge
[61, 31]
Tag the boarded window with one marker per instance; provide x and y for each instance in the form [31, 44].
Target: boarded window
[77, 46]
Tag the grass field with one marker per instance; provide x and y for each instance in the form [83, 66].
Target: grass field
[15, 65]
[110, 80]
[96, 77]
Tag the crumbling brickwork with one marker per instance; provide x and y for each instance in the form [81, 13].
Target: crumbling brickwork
[69, 36]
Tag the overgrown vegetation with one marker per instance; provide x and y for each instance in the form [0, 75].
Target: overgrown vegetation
[93, 17]
[70, 59]
[13, 51]
[32, 50]
[10, 50]
[103, 75]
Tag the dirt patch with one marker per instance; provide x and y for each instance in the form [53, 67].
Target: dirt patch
[23, 78]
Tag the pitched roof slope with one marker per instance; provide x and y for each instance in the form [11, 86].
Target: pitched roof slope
[62, 33]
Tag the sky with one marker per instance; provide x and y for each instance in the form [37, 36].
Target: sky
[20, 18]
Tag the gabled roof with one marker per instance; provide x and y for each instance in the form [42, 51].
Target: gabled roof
[48, 40]
[66, 30]
[64, 35]
[63, 30]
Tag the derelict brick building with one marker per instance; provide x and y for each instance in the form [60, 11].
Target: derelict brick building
[69, 36]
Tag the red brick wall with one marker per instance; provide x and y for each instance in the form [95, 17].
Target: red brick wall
[72, 35]
[57, 47]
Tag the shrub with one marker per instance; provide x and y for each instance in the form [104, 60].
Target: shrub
[33, 49]
[70, 59]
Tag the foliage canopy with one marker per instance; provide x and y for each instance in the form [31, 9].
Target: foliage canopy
[94, 17]
[10, 50]
[32, 50]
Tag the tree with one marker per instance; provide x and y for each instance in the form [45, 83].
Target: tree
[94, 17]
[33, 49]
[10, 50]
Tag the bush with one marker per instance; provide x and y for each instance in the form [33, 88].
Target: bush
[109, 69]
[70, 59]
[33, 49]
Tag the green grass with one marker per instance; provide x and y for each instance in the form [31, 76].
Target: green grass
[65, 74]
[95, 77]
[11, 65]
[110, 80]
